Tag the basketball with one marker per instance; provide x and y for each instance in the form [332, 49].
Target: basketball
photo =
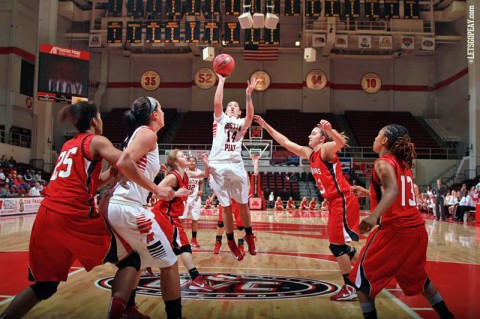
[224, 64]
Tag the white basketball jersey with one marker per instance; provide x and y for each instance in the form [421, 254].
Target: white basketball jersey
[193, 187]
[149, 164]
[227, 140]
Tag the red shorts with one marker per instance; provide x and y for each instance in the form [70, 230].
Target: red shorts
[392, 253]
[235, 211]
[174, 231]
[343, 220]
[57, 240]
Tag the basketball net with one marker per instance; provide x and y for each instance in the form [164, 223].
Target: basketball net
[255, 158]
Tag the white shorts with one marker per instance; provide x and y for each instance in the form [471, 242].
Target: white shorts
[192, 208]
[141, 231]
[229, 181]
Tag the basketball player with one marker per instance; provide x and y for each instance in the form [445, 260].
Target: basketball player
[194, 201]
[228, 177]
[68, 226]
[290, 203]
[344, 209]
[279, 203]
[221, 229]
[127, 215]
[168, 213]
[397, 248]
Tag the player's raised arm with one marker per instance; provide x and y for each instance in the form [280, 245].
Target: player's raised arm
[299, 150]
[218, 100]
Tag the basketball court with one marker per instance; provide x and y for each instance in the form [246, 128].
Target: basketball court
[292, 276]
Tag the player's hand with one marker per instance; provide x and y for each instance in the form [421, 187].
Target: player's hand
[181, 192]
[164, 193]
[251, 86]
[260, 121]
[220, 77]
[325, 125]
[359, 191]
[367, 224]
[163, 168]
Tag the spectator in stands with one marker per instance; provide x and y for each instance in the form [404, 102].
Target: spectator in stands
[446, 202]
[28, 176]
[304, 204]
[439, 191]
[429, 191]
[12, 162]
[313, 204]
[22, 184]
[4, 190]
[466, 204]
[2, 175]
[271, 200]
[279, 203]
[478, 186]
[35, 190]
[38, 176]
[4, 162]
[452, 204]
[43, 188]
[291, 203]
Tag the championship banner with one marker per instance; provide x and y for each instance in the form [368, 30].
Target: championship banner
[153, 32]
[115, 8]
[372, 8]
[135, 8]
[172, 32]
[252, 36]
[313, 8]
[192, 31]
[173, 8]
[192, 7]
[272, 36]
[256, 5]
[273, 6]
[332, 8]
[211, 8]
[232, 7]
[292, 7]
[232, 33]
[411, 9]
[114, 32]
[154, 8]
[211, 32]
[392, 9]
[134, 32]
[352, 8]
[19, 206]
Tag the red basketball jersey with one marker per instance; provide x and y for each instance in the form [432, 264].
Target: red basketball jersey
[73, 183]
[329, 176]
[176, 206]
[404, 212]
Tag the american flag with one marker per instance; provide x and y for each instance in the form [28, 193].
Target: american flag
[260, 52]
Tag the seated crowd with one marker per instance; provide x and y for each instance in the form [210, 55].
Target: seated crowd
[456, 203]
[15, 182]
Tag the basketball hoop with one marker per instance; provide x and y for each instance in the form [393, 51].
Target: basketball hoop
[255, 158]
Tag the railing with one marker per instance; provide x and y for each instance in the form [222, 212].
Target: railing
[352, 151]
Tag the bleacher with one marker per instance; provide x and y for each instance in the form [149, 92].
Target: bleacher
[196, 128]
[278, 184]
[295, 125]
[366, 125]
[115, 127]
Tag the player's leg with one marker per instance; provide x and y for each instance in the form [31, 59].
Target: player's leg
[436, 301]
[170, 284]
[197, 283]
[195, 212]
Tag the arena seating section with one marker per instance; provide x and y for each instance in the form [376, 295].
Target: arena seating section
[115, 128]
[278, 184]
[366, 124]
[196, 128]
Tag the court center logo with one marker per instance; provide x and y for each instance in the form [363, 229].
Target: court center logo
[237, 287]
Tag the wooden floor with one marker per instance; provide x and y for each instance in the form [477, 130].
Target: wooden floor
[292, 276]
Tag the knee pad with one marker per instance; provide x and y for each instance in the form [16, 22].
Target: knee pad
[240, 228]
[132, 260]
[220, 224]
[186, 249]
[44, 289]
[339, 250]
